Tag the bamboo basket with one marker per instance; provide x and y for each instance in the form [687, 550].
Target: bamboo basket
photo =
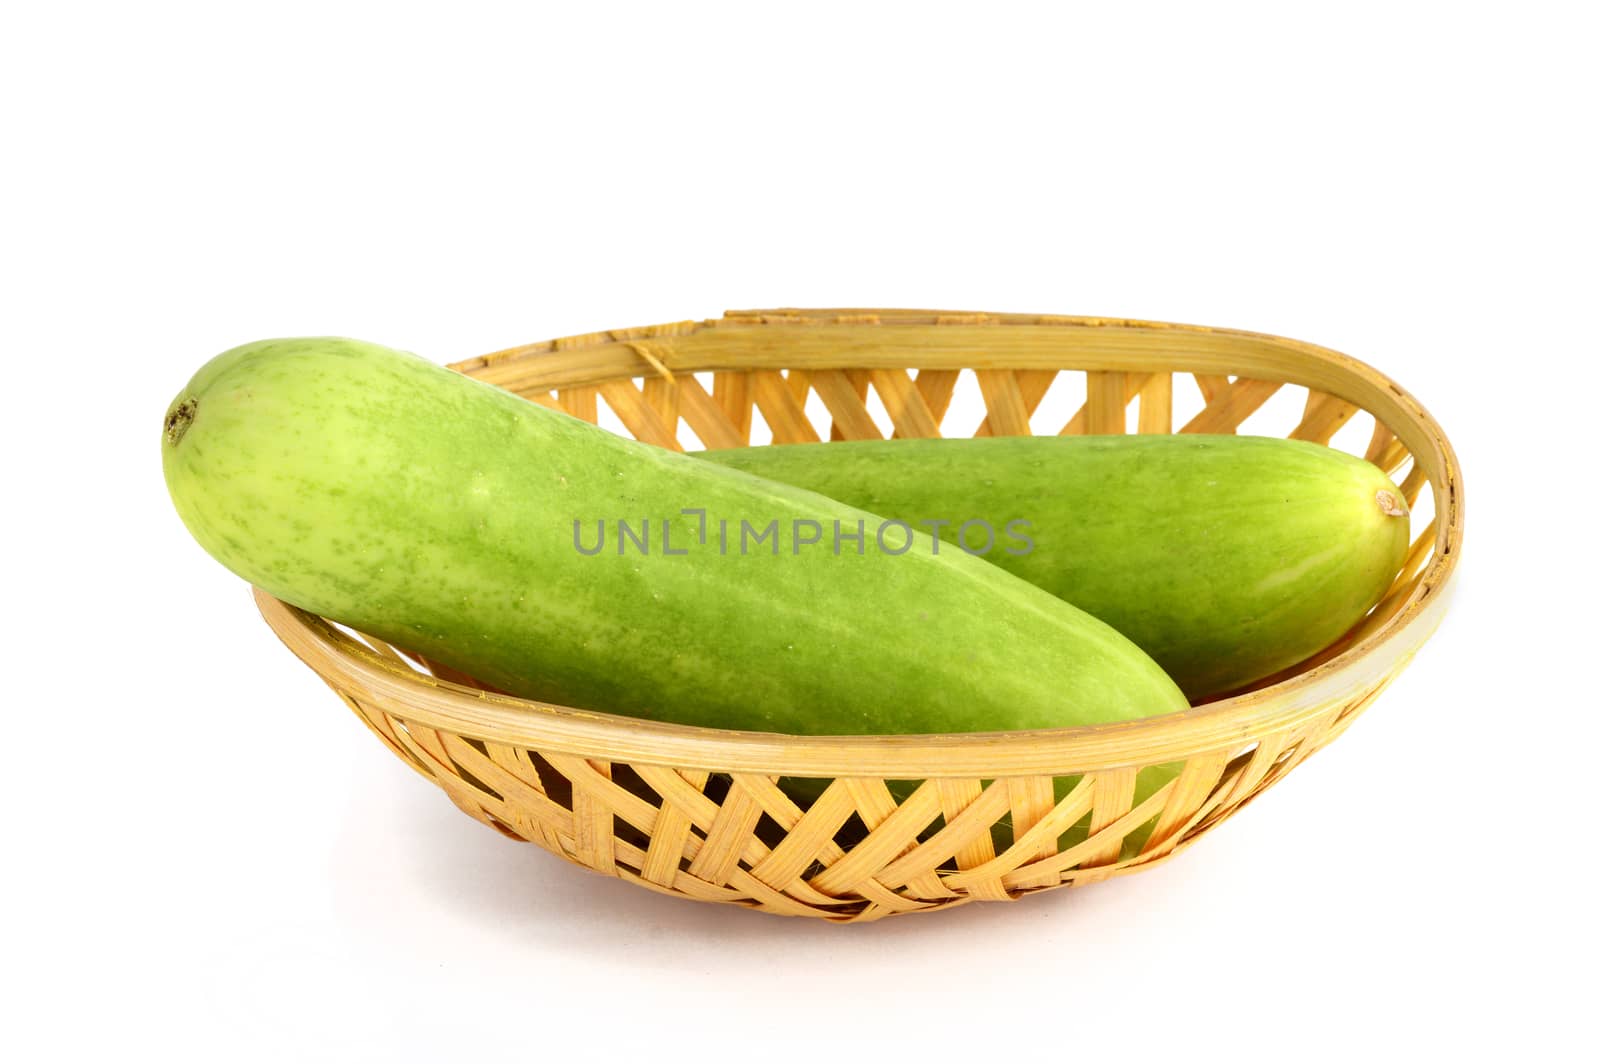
[700, 813]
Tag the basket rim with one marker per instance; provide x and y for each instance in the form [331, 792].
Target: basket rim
[358, 671]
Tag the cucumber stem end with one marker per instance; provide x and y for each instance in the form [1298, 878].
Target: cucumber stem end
[1391, 504]
[179, 417]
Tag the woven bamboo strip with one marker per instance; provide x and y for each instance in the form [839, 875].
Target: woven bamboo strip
[1042, 873]
[528, 819]
[580, 403]
[784, 415]
[732, 392]
[668, 837]
[895, 836]
[1106, 409]
[874, 805]
[1078, 424]
[1411, 486]
[1213, 386]
[839, 393]
[809, 839]
[641, 419]
[1032, 798]
[663, 396]
[1324, 414]
[1039, 841]
[1031, 386]
[1226, 410]
[1113, 797]
[1393, 457]
[1008, 412]
[905, 404]
[861, 384]
[1197, 779]
[729, 832]
[937, 386]
[799, 384]
[1155, 405]
[702, 413]
[969, 811]
[1382, 437]
[594, 832]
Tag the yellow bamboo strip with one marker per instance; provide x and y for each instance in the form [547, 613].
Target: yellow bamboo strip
[1113, 797]
[1155, 405]
[707, 417]
[1078, 425]
[1411, 486]
[851, 421]
[1261, 759]
[1324, 415]
[731, 390]
[669, 837]
[1382, 436]
[1054, 869]
[661, 394]
[799, 382]
[969, 837]
[969, 813]
[860, 383]
[904, 402]
[1106, 408]
[888, 841]
[937, 386]
[1032, 798]
[785, 416]
[1032, 384]
[640, 417]
[594, 832]
[1243, 398]
[875, 805]
[810, 839]
[729, 833]
[1212, 385]
[1195, 783]
[580, 403]
[1008, 414]
[1392, 456]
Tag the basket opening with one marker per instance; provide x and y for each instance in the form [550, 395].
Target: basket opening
[556, 786]
[607, 418]
[966, 411]
[760, 431]
[1355, 435]
[769, 831]
[1187, 399]
[879, 413]
[1061, 400]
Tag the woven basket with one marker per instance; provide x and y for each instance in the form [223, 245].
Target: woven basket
[700, 813]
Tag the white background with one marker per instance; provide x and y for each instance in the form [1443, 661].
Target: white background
[210, 859]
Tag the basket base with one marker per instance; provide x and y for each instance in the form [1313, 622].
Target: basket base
[854, 855]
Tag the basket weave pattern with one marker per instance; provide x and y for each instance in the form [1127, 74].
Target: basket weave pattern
[701, 813]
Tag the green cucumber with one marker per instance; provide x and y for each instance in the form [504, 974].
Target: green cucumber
[441, 514]
[1225, 558]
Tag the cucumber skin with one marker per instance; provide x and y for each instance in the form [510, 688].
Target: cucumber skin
[436, 512]
[1225, 558]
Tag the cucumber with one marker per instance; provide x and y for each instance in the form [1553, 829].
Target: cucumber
[1225, 558]
[446, 516]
